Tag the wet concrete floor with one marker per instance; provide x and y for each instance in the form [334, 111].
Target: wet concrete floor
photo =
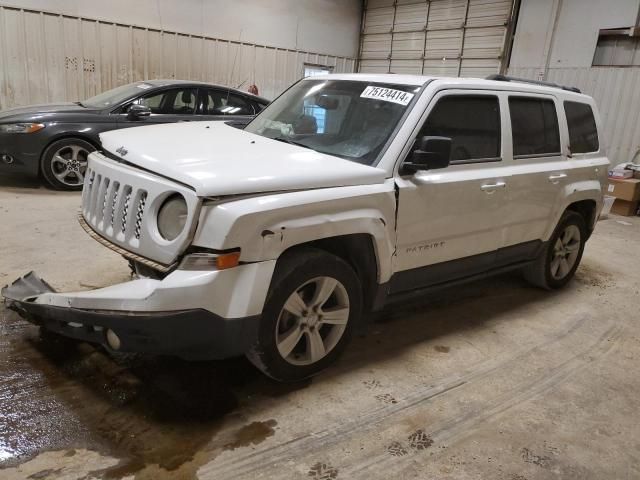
[491, 380]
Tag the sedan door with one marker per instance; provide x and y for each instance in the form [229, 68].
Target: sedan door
[449, 221]
[167, 106]
[221, 104]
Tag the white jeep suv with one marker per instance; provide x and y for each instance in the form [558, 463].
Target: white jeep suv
[346, 192]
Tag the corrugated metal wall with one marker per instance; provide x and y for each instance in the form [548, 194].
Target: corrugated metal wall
[46, 57]
[434, 37]
[617, 93]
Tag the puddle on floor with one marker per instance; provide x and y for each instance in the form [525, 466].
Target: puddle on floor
[147, 411]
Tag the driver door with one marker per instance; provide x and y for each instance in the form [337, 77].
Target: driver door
[450, 220]
[167, 106]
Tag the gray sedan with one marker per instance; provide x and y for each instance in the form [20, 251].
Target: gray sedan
[55, 140]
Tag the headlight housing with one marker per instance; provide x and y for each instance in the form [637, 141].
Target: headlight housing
[172, 217]
[20, 127]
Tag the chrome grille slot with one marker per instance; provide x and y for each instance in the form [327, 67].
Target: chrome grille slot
[102, 200]
[125, 209]
[114, 199]
[140, 214]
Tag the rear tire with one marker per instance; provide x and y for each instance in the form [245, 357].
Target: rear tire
[313, 304]
[64, 163]
[558, 262]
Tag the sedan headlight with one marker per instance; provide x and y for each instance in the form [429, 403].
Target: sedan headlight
[172, 217]
[21, 127]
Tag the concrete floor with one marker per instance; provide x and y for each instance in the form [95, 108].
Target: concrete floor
[495, 380]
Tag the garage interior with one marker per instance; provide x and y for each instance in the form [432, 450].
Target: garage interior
[492, 379]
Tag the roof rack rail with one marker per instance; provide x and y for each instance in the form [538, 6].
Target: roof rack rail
[505, 78]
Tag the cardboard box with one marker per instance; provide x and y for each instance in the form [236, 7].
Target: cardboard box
[628, 189]
[623, 207]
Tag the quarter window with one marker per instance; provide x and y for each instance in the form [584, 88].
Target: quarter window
[534, 126]
[471, 121]
[583, 134]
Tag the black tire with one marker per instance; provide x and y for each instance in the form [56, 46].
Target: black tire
[540, 273]
[51, 166]
[296, 272]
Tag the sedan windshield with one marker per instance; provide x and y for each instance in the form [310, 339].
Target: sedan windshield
[114, 97]
[348, 119]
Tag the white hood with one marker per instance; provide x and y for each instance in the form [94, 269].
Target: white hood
[216, 159]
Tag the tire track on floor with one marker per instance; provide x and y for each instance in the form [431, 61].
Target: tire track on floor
[458, 426]
[252, 462]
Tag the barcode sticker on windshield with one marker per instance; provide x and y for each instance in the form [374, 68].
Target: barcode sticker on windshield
[387, 94]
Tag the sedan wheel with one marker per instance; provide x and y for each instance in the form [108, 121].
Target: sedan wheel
[64, 163]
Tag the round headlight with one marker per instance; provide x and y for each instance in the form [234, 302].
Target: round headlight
[172, 217]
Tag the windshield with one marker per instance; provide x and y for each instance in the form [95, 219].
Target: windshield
[351, 120]
[112, 98]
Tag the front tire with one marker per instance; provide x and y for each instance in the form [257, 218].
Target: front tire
[64, 163]
[313, 303]
[558, 263]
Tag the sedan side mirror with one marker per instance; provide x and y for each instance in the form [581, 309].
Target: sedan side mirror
[136, 112]
[432, 153]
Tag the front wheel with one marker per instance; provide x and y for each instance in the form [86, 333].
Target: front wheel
[313, 304]
[560, 259]
[64, 163]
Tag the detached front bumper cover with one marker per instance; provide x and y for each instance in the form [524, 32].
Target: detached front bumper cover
[191, 334]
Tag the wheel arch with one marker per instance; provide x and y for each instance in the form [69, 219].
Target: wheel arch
[359, 252]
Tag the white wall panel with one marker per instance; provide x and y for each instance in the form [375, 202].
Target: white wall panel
[617, 94]
[437, 37]
[46, 57]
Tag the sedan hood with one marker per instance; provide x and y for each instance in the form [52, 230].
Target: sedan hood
[217, 159]
[44, 111]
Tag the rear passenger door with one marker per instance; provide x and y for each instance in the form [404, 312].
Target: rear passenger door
[221, 104]
[450, 220]
[539, 171]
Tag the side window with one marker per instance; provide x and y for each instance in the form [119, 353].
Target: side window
[471, 121]
[171, 102]
[534, 126]
[221, 102]
[583, 134]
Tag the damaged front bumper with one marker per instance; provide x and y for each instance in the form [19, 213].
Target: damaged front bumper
[173, 316]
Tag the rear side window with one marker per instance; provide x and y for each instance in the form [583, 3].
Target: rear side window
[534, 126]
[473, 124]
[583, 134]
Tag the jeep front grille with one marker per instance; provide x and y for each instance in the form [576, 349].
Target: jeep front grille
[120, 203]
[105, 201]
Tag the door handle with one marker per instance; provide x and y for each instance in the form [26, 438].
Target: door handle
[557, 177]
[491, 187]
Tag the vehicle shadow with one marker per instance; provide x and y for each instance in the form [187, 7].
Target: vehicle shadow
[28, 185]
[156, 410]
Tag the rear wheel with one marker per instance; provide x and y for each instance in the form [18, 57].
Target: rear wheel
[559, 261]
[64, 163]
[313, 304]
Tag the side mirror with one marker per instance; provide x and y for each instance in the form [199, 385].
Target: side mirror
[432, 153]
[136, 112]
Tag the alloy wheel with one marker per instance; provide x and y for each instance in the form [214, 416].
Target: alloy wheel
[565, 252]
[69, 164]
[312, 321]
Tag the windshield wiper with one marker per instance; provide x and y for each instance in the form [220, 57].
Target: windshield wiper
[79, 103]
[291, 142]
